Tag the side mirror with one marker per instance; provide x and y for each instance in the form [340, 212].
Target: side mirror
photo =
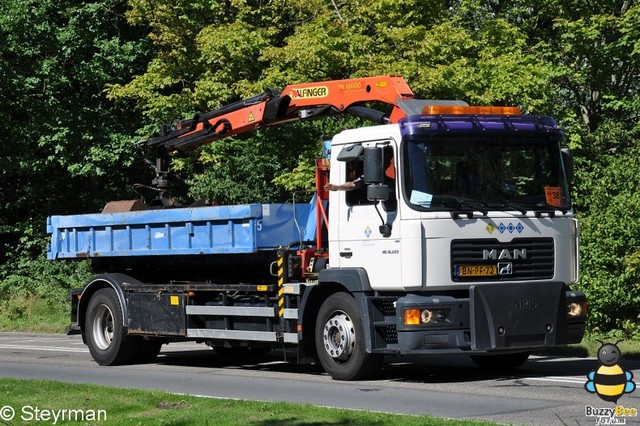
[567, 161]
[373, 168]
[374, 175]
[377, 192]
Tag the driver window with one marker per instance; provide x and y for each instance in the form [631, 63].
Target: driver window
[358, 196]
[355, 171]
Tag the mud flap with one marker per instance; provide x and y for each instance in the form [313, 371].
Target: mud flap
[161, 314]
[511, 316]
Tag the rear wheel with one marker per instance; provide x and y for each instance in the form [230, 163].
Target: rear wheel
[502, 362]
[340, 340]
[104, 329]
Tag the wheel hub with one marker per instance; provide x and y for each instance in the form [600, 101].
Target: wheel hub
[103, 327]
[339, 337]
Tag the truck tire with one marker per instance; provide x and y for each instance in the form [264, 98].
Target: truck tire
[340, 340]
[105, 334]
[503, 362]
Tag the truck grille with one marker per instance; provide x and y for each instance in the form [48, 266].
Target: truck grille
[510, 260]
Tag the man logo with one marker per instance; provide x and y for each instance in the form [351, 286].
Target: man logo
[505, 254]
[505, 268]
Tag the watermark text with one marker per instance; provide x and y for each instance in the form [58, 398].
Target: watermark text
[610, 415]
[29, 413]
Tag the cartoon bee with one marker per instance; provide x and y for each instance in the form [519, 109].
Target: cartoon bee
[609, 381]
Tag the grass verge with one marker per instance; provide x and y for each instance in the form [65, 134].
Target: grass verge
[90, 404]
[33, 314]
[591, 343]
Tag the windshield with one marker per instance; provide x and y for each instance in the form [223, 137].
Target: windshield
[495, 172]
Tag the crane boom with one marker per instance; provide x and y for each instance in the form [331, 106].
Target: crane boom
[295, 102]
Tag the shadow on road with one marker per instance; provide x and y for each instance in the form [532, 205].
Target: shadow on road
[423, 369]
[277, 361]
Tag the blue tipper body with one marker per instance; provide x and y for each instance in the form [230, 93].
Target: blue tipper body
[181, 231]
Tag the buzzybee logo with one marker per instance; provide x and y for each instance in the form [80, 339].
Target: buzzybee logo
[610, 381]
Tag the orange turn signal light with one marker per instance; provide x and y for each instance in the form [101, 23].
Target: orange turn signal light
[411, 317]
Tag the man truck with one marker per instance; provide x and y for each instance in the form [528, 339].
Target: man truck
[460, 241]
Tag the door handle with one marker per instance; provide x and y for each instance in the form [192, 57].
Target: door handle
[346, 254]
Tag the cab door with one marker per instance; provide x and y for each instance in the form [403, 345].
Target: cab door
[360, 241]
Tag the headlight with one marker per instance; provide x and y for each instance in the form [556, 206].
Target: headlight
[577, 309]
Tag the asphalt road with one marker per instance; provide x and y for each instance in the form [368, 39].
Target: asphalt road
[545, 391]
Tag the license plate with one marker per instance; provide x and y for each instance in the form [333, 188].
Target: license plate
[476, 270]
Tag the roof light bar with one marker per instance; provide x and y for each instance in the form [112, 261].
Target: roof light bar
[469, 110]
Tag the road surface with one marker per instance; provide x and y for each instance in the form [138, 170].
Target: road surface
[547, 390]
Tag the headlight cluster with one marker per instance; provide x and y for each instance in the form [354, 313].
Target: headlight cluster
[577, 309]
[420, 316]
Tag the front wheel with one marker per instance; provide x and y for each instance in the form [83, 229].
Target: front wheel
[104, 330]
[340, 340]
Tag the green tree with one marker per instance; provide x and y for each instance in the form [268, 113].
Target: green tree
[592, 50]
[610, 242]
[64, 148]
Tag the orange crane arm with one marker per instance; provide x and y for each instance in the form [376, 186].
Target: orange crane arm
[295, 102]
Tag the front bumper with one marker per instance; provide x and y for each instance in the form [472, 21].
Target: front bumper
[495, 317]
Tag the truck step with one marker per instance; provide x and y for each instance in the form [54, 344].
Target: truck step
[240, 311]
[262, 336]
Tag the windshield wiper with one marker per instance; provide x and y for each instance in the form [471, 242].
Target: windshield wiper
[548, 208]
[506, 204]
[465, 208]
[541, 207]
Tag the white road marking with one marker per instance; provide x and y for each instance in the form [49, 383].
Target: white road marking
[559, 379]
[25, 340]
[43, 339]
[43, 348]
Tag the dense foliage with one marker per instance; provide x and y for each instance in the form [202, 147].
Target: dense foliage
[64, 146]
[81, 82]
